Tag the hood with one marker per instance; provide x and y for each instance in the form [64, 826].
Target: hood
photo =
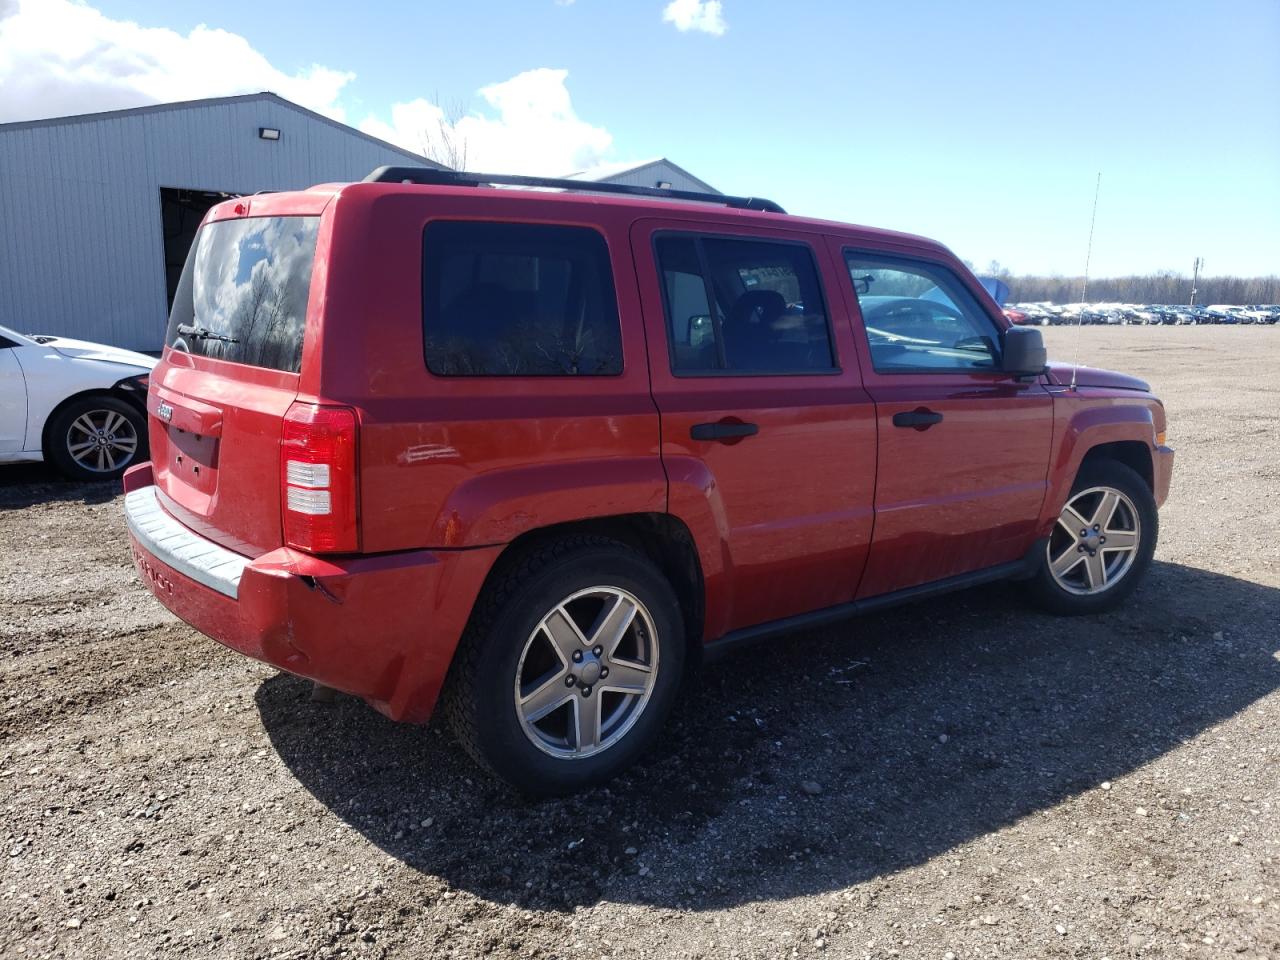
[1060, 373]
[84, 350]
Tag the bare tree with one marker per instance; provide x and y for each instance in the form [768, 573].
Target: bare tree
[441, 142]
[1164, 286]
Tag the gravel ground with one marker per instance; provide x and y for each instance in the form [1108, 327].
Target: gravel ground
[963, 778]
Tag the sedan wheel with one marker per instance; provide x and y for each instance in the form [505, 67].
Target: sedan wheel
[102, 441]
[96, 437]
[1095, 541]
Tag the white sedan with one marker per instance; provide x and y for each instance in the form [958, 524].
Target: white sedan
[79, 405]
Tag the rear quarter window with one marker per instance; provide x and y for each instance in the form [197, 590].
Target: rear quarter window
[508, 299]
[243, 292]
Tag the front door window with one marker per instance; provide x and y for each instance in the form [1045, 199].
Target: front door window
[920, 319]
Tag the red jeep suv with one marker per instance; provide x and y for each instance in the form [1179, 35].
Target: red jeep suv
[528, 453]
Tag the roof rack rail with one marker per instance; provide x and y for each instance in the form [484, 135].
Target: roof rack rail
[460, 178]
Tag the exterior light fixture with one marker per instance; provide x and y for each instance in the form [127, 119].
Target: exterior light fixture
[268, 133]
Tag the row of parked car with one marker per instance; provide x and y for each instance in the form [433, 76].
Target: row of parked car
[1046, 314]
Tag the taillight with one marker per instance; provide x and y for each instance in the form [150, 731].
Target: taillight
[318, 478]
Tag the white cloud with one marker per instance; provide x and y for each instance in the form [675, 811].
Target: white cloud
[530, 126]
[706, 16]
[60, 57]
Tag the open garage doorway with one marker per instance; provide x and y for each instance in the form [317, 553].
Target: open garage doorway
[181, 211]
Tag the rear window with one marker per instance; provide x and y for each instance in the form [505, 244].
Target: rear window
[510, 299]
[243, 292]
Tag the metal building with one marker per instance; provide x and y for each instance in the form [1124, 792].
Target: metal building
[97, 212]
[648, 173]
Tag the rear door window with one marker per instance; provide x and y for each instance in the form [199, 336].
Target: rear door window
[743, 306]
[511, 299]
[243, 292]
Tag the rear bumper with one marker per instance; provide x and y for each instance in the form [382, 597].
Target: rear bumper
[1161, 473]
[381, 627]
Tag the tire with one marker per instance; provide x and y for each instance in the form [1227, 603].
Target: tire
[508, 667]
[96, 438]
[1101, 580]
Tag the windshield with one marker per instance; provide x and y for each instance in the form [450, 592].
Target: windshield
[244, 289]
[14, 335]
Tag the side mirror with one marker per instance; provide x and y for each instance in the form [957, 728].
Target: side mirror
[1024, 354]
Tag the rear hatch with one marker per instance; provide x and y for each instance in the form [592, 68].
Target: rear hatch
[233, 352]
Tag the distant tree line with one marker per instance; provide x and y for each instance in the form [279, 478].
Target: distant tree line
[1167, 286]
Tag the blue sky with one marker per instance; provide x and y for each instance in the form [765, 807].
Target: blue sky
[980, 124]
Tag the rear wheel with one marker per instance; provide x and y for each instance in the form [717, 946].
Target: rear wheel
[569, 668]
[1102, 543]
[96, 438]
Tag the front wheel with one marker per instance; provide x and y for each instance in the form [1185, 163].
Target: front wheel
[96, 438]
[1102, 543]
[569, 667]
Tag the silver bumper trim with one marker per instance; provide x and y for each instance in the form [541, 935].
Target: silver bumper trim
[180, 547]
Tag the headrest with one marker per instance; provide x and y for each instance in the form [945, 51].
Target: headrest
[769, 304]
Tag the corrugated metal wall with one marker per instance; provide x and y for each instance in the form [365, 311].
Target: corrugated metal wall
[81, 243]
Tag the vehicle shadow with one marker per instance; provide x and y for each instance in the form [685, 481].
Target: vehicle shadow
[27, 484]
[925, 727]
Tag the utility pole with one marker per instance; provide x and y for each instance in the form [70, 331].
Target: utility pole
[1195, 277]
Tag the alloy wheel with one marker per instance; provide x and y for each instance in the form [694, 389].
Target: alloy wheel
[1095, 541]
[101, 441]
[586, 673]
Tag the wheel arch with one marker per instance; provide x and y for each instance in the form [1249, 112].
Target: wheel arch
[662, 538]
[1134, 454]
[66, 402]
[1122, 432]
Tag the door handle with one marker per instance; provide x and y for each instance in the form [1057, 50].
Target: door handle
[921, 418]
[725, 430]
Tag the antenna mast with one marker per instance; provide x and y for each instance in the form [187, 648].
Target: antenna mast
[1084, 286]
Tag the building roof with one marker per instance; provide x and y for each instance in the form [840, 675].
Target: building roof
[608, 171]
[265, 95]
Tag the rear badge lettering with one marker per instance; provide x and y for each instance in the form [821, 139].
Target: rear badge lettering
[158, 580]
